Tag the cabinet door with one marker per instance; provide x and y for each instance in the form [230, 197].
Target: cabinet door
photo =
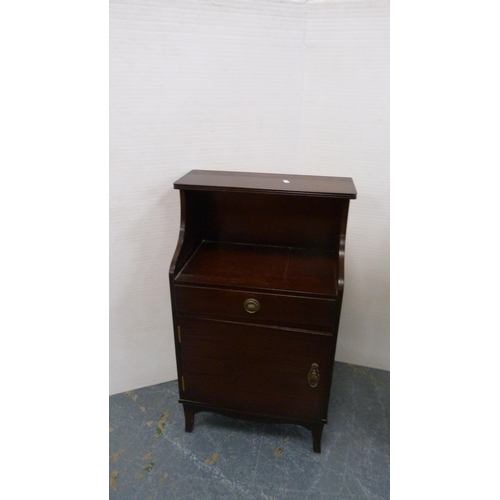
[256, 369]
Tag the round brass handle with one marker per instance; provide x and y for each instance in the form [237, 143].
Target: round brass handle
[313, 377]
[251, 305]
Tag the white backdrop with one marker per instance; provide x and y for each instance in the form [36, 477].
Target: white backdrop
[271, 86]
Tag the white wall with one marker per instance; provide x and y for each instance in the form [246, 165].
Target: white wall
[345, 131]
[276, 86]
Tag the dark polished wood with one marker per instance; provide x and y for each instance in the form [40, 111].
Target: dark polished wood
[256, 283]
[254, 369]
[307, 185]
[276, 309]
[288, 269]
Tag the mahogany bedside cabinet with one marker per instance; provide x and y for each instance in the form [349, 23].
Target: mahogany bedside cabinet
[256, 283]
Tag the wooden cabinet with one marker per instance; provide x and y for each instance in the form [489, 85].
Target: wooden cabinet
[256, 284]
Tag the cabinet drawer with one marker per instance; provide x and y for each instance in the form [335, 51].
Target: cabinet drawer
[250, 307]
[254, 369]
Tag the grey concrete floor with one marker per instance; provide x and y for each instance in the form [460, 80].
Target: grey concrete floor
[151, 457]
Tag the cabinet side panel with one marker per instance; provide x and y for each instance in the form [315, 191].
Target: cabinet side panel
[190, 231]
[344, 211]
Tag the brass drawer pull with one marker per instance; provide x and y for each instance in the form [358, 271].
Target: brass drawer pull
[251, 305]
[313, 377]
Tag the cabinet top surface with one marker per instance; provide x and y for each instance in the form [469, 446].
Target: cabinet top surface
[213, 180]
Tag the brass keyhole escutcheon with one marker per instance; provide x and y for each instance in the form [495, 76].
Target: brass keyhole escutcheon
[251, 306]
[313, 377]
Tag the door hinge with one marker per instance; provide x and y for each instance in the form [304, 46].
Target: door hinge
[182, 384]
[179, 333]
